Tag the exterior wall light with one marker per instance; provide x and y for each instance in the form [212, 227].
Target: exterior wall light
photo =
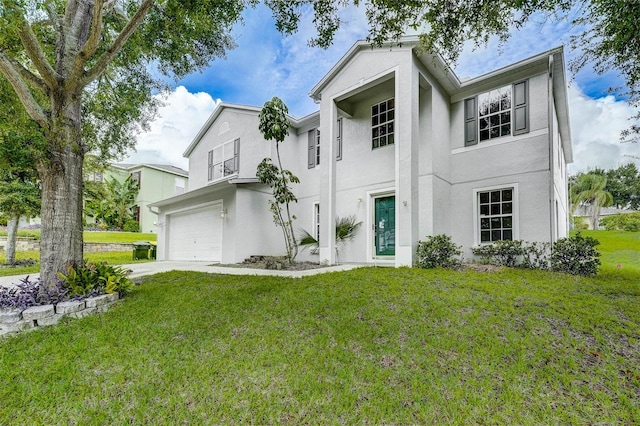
[223, 214]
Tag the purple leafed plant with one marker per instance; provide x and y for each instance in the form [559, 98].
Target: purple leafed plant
[32, 293]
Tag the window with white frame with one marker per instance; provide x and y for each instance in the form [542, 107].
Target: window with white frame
[313, 151]
[223, 160]
[496, 215]
[316, 221]
[382, 120]
[499, 112]
[339, 139]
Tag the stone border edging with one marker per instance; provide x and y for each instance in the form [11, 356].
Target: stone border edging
[15, 321]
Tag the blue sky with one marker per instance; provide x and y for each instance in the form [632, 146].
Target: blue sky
[267, 64]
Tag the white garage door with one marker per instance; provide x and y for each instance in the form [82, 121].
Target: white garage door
[196, 234]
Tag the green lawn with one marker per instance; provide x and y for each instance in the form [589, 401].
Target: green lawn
[369, 346]
[618, 248]
[95, 236]
[112, 258]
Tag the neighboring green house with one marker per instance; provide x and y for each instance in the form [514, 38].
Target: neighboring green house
[156, 182]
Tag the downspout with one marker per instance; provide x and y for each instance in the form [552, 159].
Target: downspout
[550, 117]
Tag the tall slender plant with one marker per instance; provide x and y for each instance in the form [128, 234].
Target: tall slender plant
[274, 125]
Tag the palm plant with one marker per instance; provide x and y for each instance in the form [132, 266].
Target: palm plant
[588, 190]
[346, 230]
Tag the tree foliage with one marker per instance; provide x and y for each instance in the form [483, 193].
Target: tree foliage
[110, 202]
[19, 190]
[588, 190]
[623, 184]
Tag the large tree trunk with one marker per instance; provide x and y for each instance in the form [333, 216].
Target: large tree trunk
[61, 177]
[12, 237]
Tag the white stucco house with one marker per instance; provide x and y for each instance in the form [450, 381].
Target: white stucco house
[400, 142]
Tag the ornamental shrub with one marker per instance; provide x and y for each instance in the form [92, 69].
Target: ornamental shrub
[91, 279]
[576, 255]
[501, 253]
[438, 251]
[516, 253]
[622, 222]
[131, 226]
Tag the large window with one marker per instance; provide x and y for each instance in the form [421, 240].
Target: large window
[496, 215]
[382, 117]
[224, 160]
[496, 113]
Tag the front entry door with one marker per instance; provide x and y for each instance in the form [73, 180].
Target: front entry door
[385, 224]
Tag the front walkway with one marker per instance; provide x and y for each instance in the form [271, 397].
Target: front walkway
[150, 268]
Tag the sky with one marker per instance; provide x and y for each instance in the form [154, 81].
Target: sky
[266, 64]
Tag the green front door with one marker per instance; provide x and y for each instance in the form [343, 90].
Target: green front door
[385, 223]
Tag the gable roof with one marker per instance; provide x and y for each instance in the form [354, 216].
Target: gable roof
[552, 61]
[161, 167]
[293, 121]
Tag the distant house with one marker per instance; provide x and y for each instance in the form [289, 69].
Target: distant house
[400, 142]
[156, 182]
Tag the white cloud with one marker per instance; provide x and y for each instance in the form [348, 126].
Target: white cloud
[595, 132]
[172, 131]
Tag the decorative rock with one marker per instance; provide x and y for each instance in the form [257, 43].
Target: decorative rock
[16, 327]
[9, 317]
[84, 313]
[43, 322]
[112, 297]
[94, 302]
[70, 306]
[38, 312]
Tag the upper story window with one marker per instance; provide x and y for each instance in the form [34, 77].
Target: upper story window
[382, 116]
[224, 160]
[313, 152]
[496, 113]
[136, 177]
[179, 186]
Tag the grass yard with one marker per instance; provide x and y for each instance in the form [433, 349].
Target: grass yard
[112, 258]
[368, 346]
[618, 248]
[95, 236]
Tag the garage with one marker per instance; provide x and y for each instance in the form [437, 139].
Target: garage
[195, 234]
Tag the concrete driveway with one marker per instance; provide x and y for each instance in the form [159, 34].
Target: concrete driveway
[150, 268]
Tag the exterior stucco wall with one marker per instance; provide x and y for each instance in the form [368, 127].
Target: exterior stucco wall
[230, 125]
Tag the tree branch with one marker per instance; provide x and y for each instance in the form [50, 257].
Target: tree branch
[91, 45]
[35, 52]
[27, 75]
[22, 90]
[116, 46]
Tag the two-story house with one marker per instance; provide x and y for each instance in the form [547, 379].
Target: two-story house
[400, 142]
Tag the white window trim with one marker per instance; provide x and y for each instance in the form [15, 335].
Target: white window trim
[315, 223]
[476, 211]
[371, 126]
[221, 146]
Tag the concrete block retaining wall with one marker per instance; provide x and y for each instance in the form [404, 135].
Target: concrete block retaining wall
[15, 321]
